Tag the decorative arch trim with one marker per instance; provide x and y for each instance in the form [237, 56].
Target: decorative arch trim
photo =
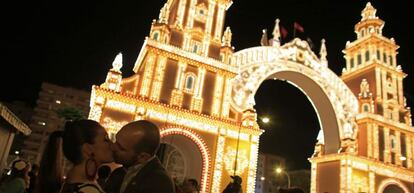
[205, 155]
[385, 183]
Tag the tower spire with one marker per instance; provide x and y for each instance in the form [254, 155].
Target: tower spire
[164, 12]
[276, 34]
[226, 40]
[117, 63]
[323, 53]
[369, 12]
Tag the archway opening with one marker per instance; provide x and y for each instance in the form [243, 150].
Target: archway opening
[293, 127]
[181, 157]
[298, 109]
[393, 189]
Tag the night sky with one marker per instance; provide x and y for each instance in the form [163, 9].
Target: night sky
[73, 43]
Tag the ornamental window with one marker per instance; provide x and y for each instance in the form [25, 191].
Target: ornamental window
[155, 35]
[189, 83]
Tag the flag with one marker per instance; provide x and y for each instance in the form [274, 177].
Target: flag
[298, 27]
[283, 31]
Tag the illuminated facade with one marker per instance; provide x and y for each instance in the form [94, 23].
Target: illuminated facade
[190, 83]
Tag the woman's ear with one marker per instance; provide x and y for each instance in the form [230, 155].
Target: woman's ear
[87, 150]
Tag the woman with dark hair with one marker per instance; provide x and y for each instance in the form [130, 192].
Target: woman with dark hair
[19, 178]
[86, 145]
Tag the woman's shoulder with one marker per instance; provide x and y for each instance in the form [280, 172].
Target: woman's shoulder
[81, 188]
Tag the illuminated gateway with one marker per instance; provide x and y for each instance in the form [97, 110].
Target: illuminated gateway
[189, 81]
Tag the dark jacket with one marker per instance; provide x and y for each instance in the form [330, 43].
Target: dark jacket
[233, 188]
[114, 181]
[152, 178]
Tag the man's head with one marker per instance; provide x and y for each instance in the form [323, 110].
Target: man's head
[136, 142]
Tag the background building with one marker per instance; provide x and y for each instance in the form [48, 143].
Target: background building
[267, 180]
[45, 119]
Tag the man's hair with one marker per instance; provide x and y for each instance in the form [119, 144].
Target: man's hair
[150, 141]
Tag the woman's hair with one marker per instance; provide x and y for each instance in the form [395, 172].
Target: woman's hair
[76, 134]
[51, 166]
[68, 143]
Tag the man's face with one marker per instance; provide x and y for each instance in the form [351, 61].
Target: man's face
[123, 148]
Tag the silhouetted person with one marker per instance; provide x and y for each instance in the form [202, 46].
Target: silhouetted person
[235, 186]
[33, 177]
[19, 179]
[190, 186]
[103, 173]
[291, 190]
[135, 148]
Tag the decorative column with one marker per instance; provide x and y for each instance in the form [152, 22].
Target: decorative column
[346, 176]
[400, 90]
[191, 13]
[180, 13]
[218, 88]
[384, 91]
[398, 148]
[147, 76]
[378, 84]
[409, 150]
[218, 167]
[387, 150]
[348, 63]
[370, 139]
[219, 22]
[225, 110]
[313, 177]
[371, 181]
[177, 95]
[96, 106]
[206, 45]
[210, 17]
[376, 141]
[95, 113]
[197, 100]
[394, 59]
[158, 78]
[251, 175]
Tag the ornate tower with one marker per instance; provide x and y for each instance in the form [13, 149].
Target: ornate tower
[182, 83]
[385, 129]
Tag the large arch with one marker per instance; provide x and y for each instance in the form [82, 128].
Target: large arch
[201, 145]
[295, 62]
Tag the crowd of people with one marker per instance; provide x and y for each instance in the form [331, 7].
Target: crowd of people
[85, 143]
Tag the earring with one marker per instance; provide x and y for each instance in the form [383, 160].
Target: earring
[91, 167]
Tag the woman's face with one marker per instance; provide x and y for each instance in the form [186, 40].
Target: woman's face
[102, 147]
